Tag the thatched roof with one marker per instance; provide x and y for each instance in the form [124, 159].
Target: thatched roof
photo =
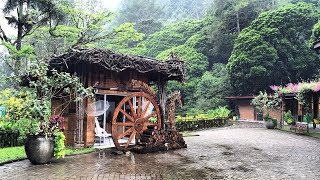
[173, 69]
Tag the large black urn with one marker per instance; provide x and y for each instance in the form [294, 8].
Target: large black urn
[39, 149]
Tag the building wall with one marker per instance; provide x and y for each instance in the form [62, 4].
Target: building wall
[102, 79]
[276, 113]
[246, 111]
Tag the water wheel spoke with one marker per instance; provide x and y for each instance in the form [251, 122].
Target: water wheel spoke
[132, 109]
[130, 139]
[127, 115]
[146, 119]
[124, 124]
[136, 123]
[139, 106]
[127, 132]
[145, 109]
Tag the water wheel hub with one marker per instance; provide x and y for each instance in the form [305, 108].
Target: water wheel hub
[139, 124]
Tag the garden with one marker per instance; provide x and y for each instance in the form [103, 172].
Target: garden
[225, 53]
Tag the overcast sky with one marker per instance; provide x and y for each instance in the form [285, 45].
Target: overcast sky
[109, 4]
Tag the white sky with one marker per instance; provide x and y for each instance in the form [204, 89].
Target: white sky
[111, 4]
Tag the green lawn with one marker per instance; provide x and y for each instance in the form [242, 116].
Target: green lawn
[14, 153]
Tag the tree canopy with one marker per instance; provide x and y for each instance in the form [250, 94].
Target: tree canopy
[274, 49]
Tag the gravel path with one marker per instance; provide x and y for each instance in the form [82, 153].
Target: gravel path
[225, 153]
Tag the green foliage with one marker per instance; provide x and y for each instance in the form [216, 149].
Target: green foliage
[212, 88]
[145, 14]
[22, 126]
[288, 117]
[274, 49]
[315, 34]
[196, 62]
[28, 16]
[59, 148]
[126, 39]
[18, 104]
[269, 118]
[12, 153]
[15, 153]
[84, 28]
[218, 113]
[172, 35]
[265, 103]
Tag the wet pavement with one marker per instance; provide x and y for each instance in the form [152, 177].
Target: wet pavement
[226, 153]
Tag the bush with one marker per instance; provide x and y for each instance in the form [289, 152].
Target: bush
[22, 127]
[288, 117]
[269, 118]
[219, 113]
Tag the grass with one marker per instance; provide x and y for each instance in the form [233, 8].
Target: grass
[16, 153]
[12, 153]
[188, 134]
[312, 134]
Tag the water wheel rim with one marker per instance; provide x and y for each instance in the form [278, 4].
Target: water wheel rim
[138, 121]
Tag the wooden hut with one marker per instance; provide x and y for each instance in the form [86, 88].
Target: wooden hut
[112, 76]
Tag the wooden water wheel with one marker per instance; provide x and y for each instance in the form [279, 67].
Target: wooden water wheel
[132, 116]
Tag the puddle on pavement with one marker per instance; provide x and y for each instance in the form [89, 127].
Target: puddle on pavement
[226, 153]
[241, 168]
[227, 147]
[257, 149]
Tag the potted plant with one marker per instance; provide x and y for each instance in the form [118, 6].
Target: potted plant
[47, 84]
[288, 117]
[264, 104]
[41, 147]
[270, 122]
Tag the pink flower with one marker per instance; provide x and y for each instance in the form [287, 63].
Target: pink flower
[317, 87]
[274, 87]
[293, 87]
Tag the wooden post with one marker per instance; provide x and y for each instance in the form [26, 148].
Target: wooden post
[283, 109]
[162, 86]
[89, 120]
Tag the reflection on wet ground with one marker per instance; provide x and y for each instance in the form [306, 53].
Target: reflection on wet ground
[226, 153]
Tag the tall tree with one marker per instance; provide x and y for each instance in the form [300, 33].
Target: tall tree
[229, 17]
[30, 15]
[145, 14]
[176, 10]
[274, 49]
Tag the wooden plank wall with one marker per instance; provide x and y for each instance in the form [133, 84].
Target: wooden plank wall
[92, 75]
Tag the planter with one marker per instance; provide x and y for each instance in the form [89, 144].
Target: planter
[270, 125]
[39, 149]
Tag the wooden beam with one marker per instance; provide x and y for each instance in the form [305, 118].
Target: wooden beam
[113, 92]
[89, 122]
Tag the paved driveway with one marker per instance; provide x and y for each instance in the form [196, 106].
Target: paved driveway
[227, 153]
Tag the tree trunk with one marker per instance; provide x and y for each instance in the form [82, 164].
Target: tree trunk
[238, 22]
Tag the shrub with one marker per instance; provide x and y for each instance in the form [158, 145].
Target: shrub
[219, 113]
[288, 117]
